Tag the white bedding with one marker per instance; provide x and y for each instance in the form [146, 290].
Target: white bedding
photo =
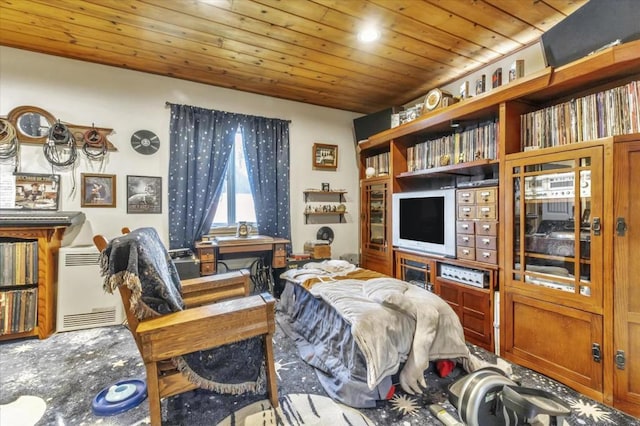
[392, 322]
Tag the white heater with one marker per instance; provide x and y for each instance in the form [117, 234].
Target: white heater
[82, 303]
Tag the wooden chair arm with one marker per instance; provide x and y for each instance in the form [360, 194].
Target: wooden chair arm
[206, 327]
[213, 288]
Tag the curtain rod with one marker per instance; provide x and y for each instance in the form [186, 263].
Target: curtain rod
[167, 103]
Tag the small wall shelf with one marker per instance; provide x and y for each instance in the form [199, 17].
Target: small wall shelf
[310, 193]
[339, 214]
[332, 197]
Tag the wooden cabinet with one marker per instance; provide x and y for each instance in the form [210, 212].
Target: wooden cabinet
[477, 225]
[207, 256]
[559, 239]
[375, 222]
[569, 266]
[554, 264]
[473, 305]
[624, 358]
[49, 239]
[416, 269]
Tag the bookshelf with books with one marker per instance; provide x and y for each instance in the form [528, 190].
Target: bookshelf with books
[18, 285]
[28, 280]
[537, 124]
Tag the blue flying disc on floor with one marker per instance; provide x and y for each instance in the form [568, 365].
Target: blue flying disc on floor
[119, 397]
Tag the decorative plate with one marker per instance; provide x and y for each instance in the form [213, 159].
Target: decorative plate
[325, 233]
[145, 142]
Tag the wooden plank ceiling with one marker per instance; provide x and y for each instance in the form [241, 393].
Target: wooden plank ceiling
[302, 50]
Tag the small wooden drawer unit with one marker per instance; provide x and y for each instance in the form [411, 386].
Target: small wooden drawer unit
[207, 257]
[477, 226]
[279, 256]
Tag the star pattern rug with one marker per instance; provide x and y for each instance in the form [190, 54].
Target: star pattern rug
[59, 377]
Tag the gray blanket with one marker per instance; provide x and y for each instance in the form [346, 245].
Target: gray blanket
[393, 321]
[140, 261]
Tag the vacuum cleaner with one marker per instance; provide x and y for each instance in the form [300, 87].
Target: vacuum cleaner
[486, 397]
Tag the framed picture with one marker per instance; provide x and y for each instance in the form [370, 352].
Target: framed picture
[325, 156]
[98, 190]
[37, 191]
[144, 194]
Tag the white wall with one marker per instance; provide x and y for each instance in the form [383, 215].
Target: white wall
[83, 93]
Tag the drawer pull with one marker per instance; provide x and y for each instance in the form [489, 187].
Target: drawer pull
[465, 239]
[486, 227]
[486, 241]
[466, 252]
[486, 255]
[465, 226]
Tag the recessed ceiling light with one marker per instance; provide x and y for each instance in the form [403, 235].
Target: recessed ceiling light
[368, 35]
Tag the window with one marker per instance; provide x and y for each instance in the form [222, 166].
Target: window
[236, 200]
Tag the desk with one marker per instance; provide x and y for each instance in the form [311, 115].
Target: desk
[270, 252]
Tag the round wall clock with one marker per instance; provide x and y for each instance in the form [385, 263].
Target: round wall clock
[145, 142]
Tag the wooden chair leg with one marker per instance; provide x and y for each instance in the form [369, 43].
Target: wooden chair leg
[153, 394]
[272, 385]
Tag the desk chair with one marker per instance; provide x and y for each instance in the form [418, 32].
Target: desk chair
[211, 319]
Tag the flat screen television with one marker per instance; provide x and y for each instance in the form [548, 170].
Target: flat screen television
[425, 221]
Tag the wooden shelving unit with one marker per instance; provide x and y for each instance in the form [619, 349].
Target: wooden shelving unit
[49, 239]
[614, 338]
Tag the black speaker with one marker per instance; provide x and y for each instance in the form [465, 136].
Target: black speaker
[373, 123]
[595, 25]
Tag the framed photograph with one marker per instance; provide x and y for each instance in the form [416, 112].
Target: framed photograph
[144, 194]
[325, 156]
[37, 191]
[98, 190]
[325, 186]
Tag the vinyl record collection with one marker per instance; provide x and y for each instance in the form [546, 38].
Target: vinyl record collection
[608, 113]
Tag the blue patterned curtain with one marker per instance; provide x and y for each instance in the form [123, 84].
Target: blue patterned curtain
[266, 146]
[201, 141]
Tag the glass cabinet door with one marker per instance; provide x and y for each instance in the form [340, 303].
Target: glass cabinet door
[376, 209]
[557, 226]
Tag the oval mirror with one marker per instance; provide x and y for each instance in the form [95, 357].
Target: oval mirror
[31, 123]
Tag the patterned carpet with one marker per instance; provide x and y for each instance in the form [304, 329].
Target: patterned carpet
[59, 377]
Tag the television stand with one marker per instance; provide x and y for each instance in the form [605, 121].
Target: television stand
[473, 304]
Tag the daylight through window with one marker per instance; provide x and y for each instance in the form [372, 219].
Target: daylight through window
[236, 201]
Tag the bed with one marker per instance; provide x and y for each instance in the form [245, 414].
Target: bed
[360, 329]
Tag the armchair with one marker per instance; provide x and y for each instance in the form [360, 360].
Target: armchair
[207, 314]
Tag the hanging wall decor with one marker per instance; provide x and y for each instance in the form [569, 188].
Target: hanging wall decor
[325, 157]
[98, 190]
[37, 191]
[144, 194]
